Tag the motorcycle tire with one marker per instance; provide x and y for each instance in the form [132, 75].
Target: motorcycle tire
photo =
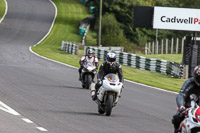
[83, 86]
[109, 104]
[88, 81]
[100, 110]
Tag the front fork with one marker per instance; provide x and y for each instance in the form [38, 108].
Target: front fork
[115, 96]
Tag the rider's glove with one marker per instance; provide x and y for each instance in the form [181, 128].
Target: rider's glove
[99, 82]
[81, 63]
[181, 108]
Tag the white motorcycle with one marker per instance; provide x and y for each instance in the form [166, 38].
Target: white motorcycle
[191, 122]
[108, 94]
[88, 73]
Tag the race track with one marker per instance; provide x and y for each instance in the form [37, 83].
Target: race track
[50, 95]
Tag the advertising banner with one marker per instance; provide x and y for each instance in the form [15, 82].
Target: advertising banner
[176, 18]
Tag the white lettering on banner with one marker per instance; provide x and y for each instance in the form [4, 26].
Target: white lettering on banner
[176, 18]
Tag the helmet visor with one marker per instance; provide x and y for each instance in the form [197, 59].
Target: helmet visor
[90, 54]
[111, 59]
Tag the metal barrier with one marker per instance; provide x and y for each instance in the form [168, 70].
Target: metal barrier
[162, 66]
[69, 47]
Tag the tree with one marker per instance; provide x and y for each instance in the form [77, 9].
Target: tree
[122, 10]
[112, 34]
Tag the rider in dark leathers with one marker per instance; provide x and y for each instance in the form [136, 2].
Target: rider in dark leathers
[110, 66]
[190, 86]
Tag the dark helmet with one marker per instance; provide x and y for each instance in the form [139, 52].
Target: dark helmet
[111, 57]
[90, 53]
[197, 75]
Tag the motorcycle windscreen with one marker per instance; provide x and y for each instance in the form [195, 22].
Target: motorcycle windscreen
[112, 77]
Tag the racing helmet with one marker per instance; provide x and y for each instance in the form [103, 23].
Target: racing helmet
[197, 75]
[111, 57]
[90, 53]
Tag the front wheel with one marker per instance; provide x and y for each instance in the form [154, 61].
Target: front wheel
[88, 81]
[100, 110]
[109, 104]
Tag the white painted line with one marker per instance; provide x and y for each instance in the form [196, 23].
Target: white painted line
[6, 108]
[27, 120]
[42, 129]
[51, 25]
[5, 11]
[150, 86]
[45, 37]
[51, 59]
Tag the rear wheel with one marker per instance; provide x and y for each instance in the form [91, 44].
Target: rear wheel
[88, 81]
[109, 104]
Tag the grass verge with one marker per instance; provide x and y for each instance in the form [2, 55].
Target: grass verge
[2, 8]
[70, 12]
[169, 57]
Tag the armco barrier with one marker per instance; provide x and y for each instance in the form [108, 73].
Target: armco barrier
[162, 66]
[69, 47]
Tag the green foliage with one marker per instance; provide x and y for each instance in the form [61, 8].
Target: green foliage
[112, 34]
[91, 38]
[123, 12]
[186, 3]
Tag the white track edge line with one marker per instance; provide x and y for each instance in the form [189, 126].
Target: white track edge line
[51, 24]
[27, 120]
[8, 109]
[160, 89]
[42, 129]
[51, 59]
[5, 11]
[30, 49]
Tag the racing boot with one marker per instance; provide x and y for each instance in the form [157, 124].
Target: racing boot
[93, 91]
[80, 77]
[176, 123]
[94, 97]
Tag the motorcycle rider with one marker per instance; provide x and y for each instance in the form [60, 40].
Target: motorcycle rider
[109, 66]
[88, 58]
[190, 86]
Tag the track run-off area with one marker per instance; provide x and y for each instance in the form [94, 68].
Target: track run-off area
[40, 95]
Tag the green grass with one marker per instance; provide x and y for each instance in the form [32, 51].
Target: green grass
[2, 8]
[152, 79]
[91, 39]
[70, 12]
[169, 57]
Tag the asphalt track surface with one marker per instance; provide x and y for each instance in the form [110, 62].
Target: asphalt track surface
[49, 93]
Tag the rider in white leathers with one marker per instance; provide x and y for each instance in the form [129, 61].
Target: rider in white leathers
[88, 58]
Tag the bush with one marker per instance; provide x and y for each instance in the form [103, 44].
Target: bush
[112, 34]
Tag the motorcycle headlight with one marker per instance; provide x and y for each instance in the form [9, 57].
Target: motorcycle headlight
[89, 68]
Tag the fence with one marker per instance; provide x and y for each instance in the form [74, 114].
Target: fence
[162, 66]
[172, 46]
[69, 47]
